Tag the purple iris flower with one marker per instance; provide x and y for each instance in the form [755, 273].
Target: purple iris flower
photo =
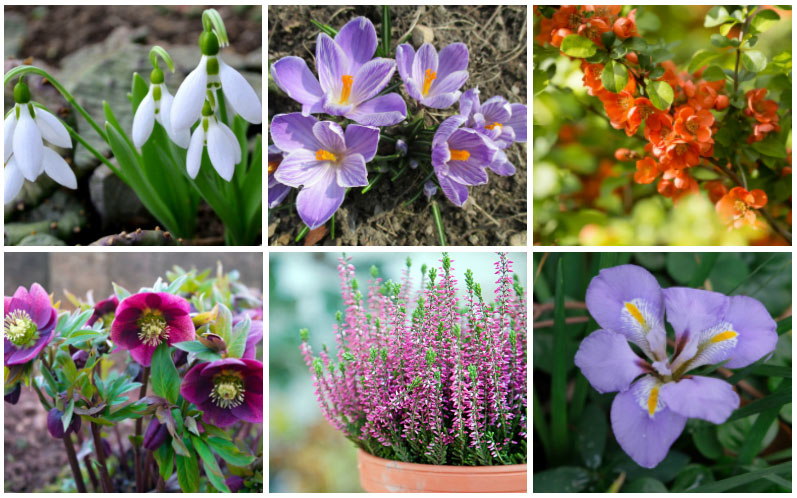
[656, 396]
[349, 78]
[497, 119]
[324, 159]
[276, 190]
[29, 321]
[430, 78]
[460, 157]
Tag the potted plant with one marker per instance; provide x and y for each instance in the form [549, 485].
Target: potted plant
[433, 393]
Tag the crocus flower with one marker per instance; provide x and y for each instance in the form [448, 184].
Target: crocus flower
[156, 435]
[460, 157]
[28, 324]
[430, 78]
[212, 74]
[276, 191]
[145, 320]
[223, 148]
[324, 159]
[226, 390]
[25, 156]
[349, 78]
[104, 310]
[157, 105]
[656, 396]
[56, 428]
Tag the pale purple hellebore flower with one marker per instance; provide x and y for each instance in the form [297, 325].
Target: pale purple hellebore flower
[349, 78]
[656, 395]
[431, 79]
[324, 159]
[498, 120]
[276, 190]
[460, 157]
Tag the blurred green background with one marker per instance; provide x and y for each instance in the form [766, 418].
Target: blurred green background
[306, 454]
[576, 179]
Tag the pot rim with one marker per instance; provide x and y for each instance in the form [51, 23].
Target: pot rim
[438, 469]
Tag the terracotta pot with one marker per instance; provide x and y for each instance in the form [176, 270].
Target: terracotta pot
[378, 475]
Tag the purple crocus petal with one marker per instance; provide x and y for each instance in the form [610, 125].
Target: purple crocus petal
[706, 398]
[351, 171]
[518, 122]
[254, 338]
[454, 191]
[645, 438]
[330, 136]
[756, 328]
[300, 168]
[405, 56]
[425, 59]
[371, 79]
[318, 202]
[294, 131]
[362, 140]
[691, 311]
[453, 58]
[440, 101]
[481, 151]
[469, 103]
[331, 63]
[357, 38]
[506, 137]
[501, 164]
[449, 84]
[440, 157]
[627, 299]
[385, 110]
[447, 128]
[277, 192]
[607, 361]
[496, 110]
[293, 77]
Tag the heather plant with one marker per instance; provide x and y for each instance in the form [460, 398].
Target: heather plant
[428, 377]
[187, 345]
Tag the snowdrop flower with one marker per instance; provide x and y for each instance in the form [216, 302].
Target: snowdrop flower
[223, 148]
[211, 75]
[157, 105]
[25, 156]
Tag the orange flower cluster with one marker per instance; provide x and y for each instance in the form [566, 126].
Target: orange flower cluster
[765, 112]
[736, 207]
[589, 21]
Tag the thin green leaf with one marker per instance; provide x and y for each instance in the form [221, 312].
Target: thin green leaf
[784, 325]
[165, 379]
[752, 443]
[540, 425]
[774, 371]
[386, 31]
[736, 481]
[775, 400]
[559, 431]
[66, 418]
[212, 469]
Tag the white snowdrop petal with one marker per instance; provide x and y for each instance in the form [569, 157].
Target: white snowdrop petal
[193, 159]
[180, 136]
[236, 147]
[56, 168]
[9, 126]
[52, 129]
[28, 147]
[144, 120]
[220, 152]
[12, 181]
[188, 101]
[240, 94]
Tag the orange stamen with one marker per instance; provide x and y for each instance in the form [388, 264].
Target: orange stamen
[459, 155]
[427, 81]
[348, 81]
[492, 126]
[272, 166]
[325, 155]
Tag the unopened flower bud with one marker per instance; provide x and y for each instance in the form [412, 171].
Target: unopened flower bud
[13, 395]
[156, 435]
[80, 357]
[413, 164]
[401, 147]
[721, 102]
[56, 427]
[429, 189]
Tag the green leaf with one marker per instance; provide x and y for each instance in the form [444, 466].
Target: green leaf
[120, 292]
[614, 76]
[540, 80]
[608, 38]
[644, 485]
[753, 442]
[664, 471]
[716, 16]
[165, 379]
[578, 46]
[681, 266]
[559, 430]
[165, 458]
[223, 325]
[636, 43]
[754, 60]
[540, 425]
[705, 438]
[764, 20]
[66, 418]
[212, 469]
[657, 73]
[188, 473]
[726, 28]
[561, 480]
[661, 94]
[701, 58]
[770, 146]
[692, 476]
[774, 400]
[720, 41]
[713, 73]
[591, 438]
[704, 268]
[784, 325]
[239, 335]
[736, 481]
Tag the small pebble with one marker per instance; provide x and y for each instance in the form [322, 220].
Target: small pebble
[422, 34]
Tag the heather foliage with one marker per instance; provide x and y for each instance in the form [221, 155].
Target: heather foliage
[426, 377]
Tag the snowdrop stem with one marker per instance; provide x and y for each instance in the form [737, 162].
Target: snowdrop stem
[21, 70]
[92, 150]
[212, 21]
[157, 51]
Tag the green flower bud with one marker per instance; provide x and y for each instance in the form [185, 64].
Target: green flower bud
[208, 43]
[21, 93]
[207, 110]
[304, 333]
[156, 76]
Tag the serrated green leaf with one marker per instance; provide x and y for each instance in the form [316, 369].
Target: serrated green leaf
[578, 46]
[165, 379]
[660, 94]
[764, 20]
[754, 60]
[713, 73]
[614, 76]
[188, 473]
[701, 58]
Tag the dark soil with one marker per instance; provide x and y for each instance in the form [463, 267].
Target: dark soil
[496, 212]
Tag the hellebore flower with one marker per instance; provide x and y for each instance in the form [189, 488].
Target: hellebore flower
[80, 357]
[656, 397]
[223, 148]
[12, 396]
[212, 75]
[104, 310]
[349, 78]
[235, 483]
[324, 159]
[254, 338]
[226, 390]
[157, 105]
[56, 427]
[498, 120]
[276, 191]
[25, 156]
[460, 157]
[430, 78]
[156, 435]
[28, 324]
[145, 320]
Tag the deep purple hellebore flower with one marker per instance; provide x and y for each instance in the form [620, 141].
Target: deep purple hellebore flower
[56, 427]
[460, 157]
[145, 320]
[324, 159]
[235, 483]
[104, 310]
[349, 78]
[498, 120]
[28, 324]
[226, 390]
[656, 395]
[156, 435]
[276, 191]
[431, 79]
[12, 396]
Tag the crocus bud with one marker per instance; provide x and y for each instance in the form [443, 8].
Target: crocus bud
[429, 189]
[401, 147]
[13, 395]
[56, 427]
[156, 435]
[413, 164]
[80, 357]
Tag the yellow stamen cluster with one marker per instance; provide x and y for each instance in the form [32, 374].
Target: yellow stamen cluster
[272, 167]
[20, 329]
[228, 390]
[492, 126]
[459, 155]
[345, 93]
[152, 328]
[325, 155]
[428, 78]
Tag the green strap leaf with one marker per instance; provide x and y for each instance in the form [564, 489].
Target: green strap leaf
[578, 46]
[752, 443]
[165, 379]
[559, 431]
[614, 76]
[736, 481]
[775, 400]
[661, 94]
